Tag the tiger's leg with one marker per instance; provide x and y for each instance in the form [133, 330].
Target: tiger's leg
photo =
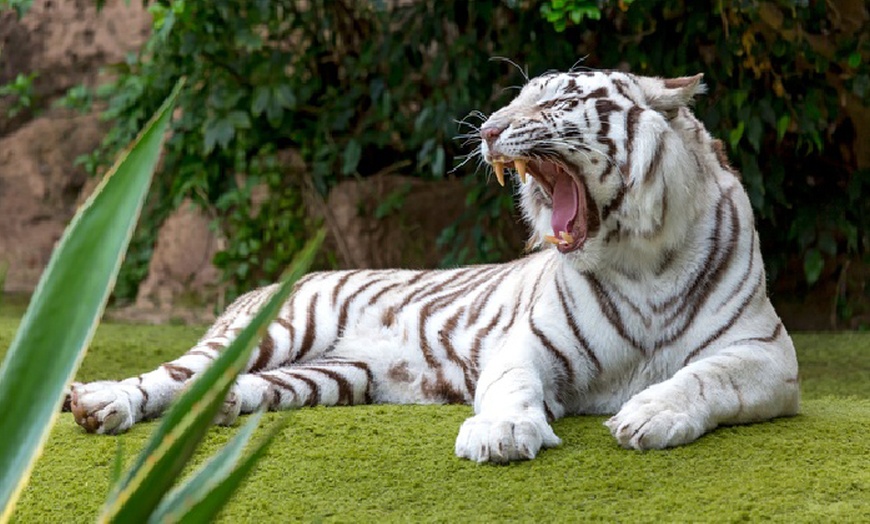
[744, 383]
[516, 395]
[323, 381]
[113, 407]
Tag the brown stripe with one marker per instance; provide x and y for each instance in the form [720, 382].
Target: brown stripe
[719, 152]
[604, 107]
[440, 389]
[341, 283]
[476, 346]
[374, 298]
[631, 121]
[745, 277]
[557, 354]
[272, 379]
[444, 389]
[691, 299]
[310, 328]
[177, 373]
[549, 412]
[575, 329]
[725, 327]
[265, 349]
[343, 312]
[667, 259]
[622, 88]
[444, 336]
[200, 353]
[655, 162]
[370, 379]
[345, 391]
[777, 331]
[482, 300]
[145, 397]
[608, 308]
[313, 388]
[700, 386]
[425, 291]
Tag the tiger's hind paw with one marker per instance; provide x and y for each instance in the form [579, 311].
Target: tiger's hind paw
[102, 407]
[230, 409]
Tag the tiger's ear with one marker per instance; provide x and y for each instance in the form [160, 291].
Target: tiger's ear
[667, 95]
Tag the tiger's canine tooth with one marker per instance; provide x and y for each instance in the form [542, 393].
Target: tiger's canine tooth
[567, 237]
[552, 240]
[498, 166]
[520, 166]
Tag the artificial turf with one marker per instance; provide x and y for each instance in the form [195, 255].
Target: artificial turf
[396, 463]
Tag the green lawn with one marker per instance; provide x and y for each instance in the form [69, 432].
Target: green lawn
[396, 463]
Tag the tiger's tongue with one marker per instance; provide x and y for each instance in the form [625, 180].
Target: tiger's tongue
[566, 204]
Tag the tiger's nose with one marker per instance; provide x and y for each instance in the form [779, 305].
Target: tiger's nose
[491, 131]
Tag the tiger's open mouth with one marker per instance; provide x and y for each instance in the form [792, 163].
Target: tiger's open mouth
[570, 200]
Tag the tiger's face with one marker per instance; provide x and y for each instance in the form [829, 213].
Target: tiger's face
[596, 157]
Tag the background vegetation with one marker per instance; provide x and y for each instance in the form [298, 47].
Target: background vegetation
[357, 88]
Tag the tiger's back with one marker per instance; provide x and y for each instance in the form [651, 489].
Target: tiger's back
[646, 297]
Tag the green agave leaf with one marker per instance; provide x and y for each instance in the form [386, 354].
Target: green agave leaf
[206, 478]
[183, 426]
[202, 497]
[67, 304]
[207, 508]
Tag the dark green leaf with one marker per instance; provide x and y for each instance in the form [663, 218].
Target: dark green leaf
[814, 263]
[193, 490]
[208, 507]
[352, 154]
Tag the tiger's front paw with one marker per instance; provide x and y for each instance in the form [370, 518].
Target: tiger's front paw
[102, 407]
[504, 439]
[647, 422]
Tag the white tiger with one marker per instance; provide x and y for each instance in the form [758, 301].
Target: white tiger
[647, 298]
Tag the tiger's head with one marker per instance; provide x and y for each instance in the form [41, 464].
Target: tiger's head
[601, 160]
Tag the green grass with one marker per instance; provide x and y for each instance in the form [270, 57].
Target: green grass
[396, 463]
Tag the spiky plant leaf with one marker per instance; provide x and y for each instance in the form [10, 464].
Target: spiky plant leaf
[173, 442]
[67, 304]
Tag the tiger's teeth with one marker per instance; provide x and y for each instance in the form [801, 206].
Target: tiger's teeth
[520, 166]
[552, 240]
[499, 171]
[567, 237]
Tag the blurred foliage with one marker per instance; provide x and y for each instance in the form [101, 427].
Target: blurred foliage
[356, 88]
[19, 6]
[351, 88]
[20, 93]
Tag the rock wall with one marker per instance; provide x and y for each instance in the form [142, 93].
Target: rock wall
[67, 43]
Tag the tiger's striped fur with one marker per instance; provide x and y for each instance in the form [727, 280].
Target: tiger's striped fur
[651, 303]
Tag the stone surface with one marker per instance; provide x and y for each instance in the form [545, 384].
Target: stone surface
[402, 238]
[182, 283]
[39, 188]
[66, 42]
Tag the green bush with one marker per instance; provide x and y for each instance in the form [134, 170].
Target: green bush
[782, 76]
[352, 88]
[355, 88]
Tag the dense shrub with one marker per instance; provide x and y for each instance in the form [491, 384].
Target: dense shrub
[357, 88]
[354, 88]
